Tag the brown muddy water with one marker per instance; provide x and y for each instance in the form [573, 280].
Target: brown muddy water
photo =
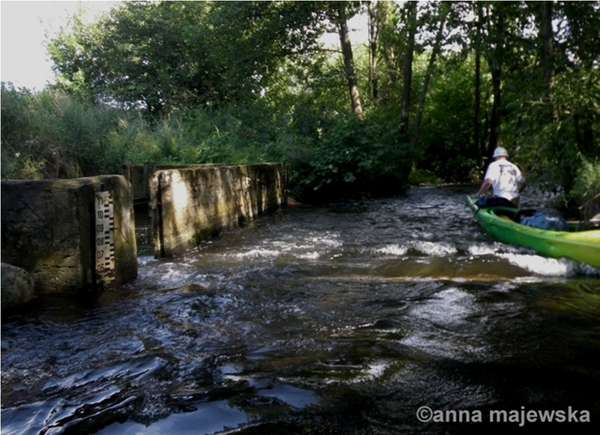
[324, 320]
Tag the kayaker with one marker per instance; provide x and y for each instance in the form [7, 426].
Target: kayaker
[505, 179]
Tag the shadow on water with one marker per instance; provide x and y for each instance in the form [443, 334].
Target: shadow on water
[324, 320]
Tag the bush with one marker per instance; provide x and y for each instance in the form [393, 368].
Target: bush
[353, 158]
[51, 135]
[447, 147]
[587, 183]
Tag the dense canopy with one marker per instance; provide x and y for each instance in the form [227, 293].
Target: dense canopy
[434, 89]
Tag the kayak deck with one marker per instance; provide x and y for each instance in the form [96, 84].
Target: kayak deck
[582, 246]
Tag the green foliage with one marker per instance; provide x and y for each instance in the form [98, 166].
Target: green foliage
[447, 149]
[353, 158]
[161, 56]
[419, 177]
[51, 135]
[556, 140]
[242, 82]
[587, 183]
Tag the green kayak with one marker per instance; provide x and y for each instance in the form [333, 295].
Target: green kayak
[582, 246]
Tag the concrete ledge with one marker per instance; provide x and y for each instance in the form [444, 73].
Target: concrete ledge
[192, 204]
[140, 177]
[49, 228]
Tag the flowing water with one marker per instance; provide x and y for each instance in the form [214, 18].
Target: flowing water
[322, 320]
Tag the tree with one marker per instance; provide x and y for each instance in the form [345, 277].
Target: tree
[443, 11]
[477, 110]
[376, 11]
[349, 70]
[495, 57]
[544, 17]
[411, 18]
[166, 55]
[580, 57]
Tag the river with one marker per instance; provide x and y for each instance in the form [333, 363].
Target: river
[342, 319]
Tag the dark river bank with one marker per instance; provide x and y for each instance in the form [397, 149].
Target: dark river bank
[344, 319]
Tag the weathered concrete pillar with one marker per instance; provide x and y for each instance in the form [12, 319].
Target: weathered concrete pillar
[17, 286]
[70, 234]
[192, 204]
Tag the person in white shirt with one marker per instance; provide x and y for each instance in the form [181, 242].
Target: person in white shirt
[505, 179]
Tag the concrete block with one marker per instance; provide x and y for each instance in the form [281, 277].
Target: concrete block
[53, 229]
[17, 286]
[140, 176]
[192, 204]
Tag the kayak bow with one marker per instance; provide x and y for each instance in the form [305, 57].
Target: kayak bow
[582, 246]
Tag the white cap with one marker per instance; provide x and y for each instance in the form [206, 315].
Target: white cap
[500, 152]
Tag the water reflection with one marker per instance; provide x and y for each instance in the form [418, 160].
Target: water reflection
[209, 418]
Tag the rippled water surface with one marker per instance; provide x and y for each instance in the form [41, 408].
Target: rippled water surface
[323, 320]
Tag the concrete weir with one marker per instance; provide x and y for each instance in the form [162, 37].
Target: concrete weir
[70, 234]
[195, 203]
[77, 234]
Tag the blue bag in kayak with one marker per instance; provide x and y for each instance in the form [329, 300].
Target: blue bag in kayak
[545, 222]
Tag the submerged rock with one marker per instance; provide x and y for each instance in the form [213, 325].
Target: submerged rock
[17, 286]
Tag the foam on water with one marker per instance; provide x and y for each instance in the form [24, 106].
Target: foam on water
[309, 255]
[329, 239]
[166, 274]
[435, 249]
[309, 247]
[376, 369]
[481, 249]
[495, 248]
[393, 249]
[432, 249]
[258, 252]
[550, 266]
[541, 265]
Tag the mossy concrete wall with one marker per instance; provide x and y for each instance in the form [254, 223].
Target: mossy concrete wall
[192, 204]
[140, 177]
[49, 228]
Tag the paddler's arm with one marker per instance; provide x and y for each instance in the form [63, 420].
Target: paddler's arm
[521, 182]
[485, 186]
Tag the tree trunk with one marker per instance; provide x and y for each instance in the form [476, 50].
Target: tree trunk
[392, 72]
[477, 109]
[495, 117]
[496, 63]
[374, 29]
[407, 68]
[545, 18]
[584, 134]
[437, 47]
[349, 62]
